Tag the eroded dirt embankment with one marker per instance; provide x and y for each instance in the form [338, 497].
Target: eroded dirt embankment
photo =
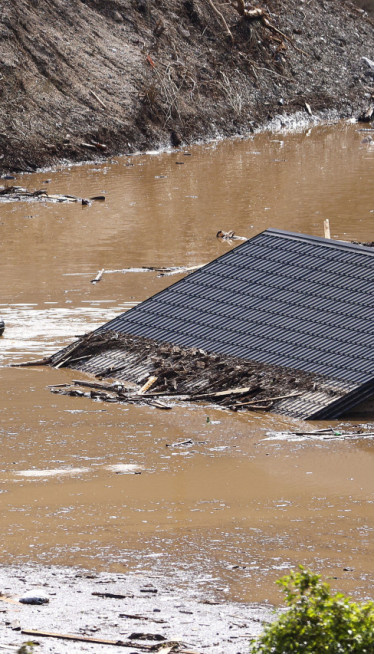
[85, 78]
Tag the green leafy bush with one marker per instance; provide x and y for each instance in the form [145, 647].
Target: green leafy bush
[317, 621]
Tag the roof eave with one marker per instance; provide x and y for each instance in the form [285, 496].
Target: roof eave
[344, 404]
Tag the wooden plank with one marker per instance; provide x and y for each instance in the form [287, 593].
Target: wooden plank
[199, 396]
[86, 639]
[230, 391]
[113, 595]
[267, 399]
[104, 641]
[150, 381]
[10, 600]
[326, 228]
[36, 362]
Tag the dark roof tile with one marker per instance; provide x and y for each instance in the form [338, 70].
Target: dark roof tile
[280, 298]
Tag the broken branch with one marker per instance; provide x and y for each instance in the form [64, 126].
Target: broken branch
[94, 95]
[103, 641]
[275, 29]
[35, 362]
[112, 595]
[230, 391]
[86, 639]
[136, 616]
[103, 387]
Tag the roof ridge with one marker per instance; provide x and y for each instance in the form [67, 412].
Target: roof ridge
[327, 242]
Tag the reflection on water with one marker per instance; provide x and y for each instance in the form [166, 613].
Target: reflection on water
[86, 483]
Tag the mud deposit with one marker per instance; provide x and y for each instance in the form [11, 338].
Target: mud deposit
[121, 607]
[202, 503]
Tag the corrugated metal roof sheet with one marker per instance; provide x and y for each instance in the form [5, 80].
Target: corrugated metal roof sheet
[279, 298]
[133, 367]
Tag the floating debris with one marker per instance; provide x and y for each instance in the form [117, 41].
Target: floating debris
[318, 434]
[108, 393]
[161, 270]
[98, 276]
[18, 193]
[124, 468]
[230, 236]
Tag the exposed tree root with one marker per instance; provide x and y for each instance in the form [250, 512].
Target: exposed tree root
[252, 14]
[223, 20]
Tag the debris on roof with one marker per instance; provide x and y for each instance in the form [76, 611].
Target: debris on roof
[283, 314]
[192, 374]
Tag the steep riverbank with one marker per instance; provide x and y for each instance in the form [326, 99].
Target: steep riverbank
[109, 77]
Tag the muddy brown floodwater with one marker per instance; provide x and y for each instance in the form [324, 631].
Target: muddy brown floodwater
[94, 485]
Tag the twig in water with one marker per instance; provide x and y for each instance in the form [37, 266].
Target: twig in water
[98, 276]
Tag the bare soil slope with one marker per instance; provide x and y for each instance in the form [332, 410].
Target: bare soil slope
[82, 78]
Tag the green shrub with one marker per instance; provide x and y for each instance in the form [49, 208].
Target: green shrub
[317, 621]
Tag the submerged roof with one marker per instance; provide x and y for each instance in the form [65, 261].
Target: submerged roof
[296, 302]
[280, 298]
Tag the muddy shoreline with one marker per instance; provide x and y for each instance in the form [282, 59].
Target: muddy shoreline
[130, 75]
[121, 608]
